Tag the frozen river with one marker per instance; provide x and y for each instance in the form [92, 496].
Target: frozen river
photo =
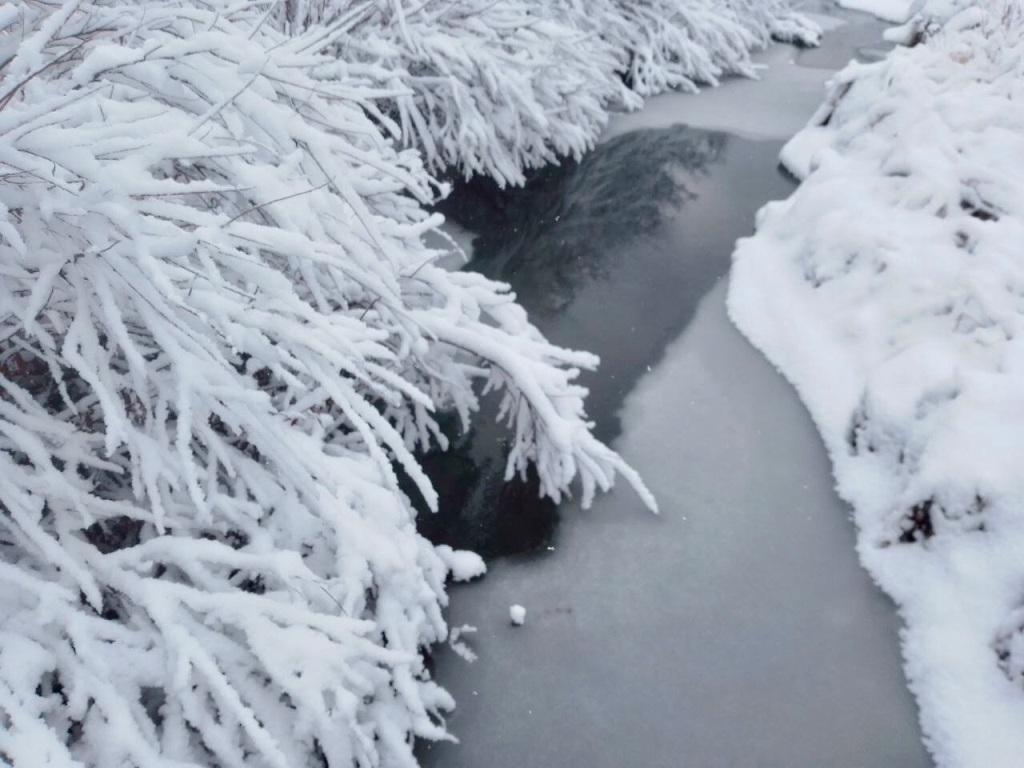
[737, 627]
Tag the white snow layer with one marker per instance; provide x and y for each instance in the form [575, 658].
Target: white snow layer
[889, 288]
[222, 330]
[495, 88]
[889, 10]
[777, 102]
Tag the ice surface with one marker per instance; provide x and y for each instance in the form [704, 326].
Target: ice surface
[610, 255]
[462, 564]
[454, 238]
[777, 105]
[735, 629]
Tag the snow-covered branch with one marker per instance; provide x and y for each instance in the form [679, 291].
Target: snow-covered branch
[497, 88]
[221, 334]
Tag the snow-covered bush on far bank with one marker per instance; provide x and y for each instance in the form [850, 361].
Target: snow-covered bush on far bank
[221, 340]
[683, 44]
[890, 290]
[496, 88]
[922, 19]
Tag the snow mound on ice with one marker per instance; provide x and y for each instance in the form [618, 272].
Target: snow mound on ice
[462, 564]
[223, 339]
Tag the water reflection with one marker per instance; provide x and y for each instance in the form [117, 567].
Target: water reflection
[612, 255]
[571, 223]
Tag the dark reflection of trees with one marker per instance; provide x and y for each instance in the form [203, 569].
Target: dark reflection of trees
[563, 227]
[570, 224]
[480, 511]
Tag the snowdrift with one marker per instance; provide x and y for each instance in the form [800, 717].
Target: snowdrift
[223, 339]
[889, 288]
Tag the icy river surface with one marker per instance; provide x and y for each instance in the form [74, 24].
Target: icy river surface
[736, 628]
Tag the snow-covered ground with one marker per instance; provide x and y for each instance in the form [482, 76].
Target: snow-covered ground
[889, 289]
[224, 336]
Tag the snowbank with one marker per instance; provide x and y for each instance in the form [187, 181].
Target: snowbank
[888, 10]
[889, 288]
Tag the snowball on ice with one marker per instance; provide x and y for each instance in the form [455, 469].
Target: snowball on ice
[517, 615]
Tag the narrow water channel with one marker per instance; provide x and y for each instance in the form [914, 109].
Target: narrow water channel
[734, 629]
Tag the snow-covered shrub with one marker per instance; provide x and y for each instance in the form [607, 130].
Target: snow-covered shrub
[221, 339]
[925, 20]
[490, 88]
[681, 44]
[890, 289]
[496, 88]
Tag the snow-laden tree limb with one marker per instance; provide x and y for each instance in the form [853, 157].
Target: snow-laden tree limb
[497, 88]
[221, 336]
